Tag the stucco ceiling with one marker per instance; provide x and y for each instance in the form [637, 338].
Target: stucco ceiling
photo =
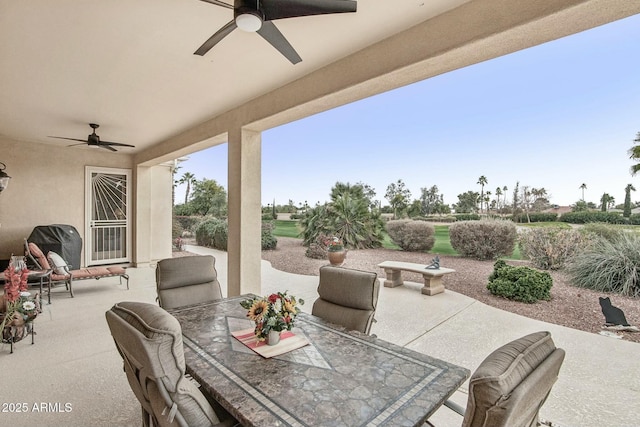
[129, 66]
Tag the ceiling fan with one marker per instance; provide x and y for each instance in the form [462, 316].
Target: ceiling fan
[256, 16]
[93, 140]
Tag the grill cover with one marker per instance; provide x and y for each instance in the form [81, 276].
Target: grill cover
[61, 239]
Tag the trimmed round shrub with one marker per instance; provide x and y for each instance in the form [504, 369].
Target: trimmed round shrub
[609, 266]
[483, 239]
[411, 236]
[519, 283]
[549, 248]
[212, 233]
[268, 240]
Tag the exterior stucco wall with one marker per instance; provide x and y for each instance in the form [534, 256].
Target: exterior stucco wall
[47, 187]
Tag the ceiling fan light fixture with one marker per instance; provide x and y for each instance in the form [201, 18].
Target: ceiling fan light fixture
[249, 21]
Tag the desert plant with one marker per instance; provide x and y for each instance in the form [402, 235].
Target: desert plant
[549, 247]
[412, 236]
[603, 230]
[483, 239]
[519, 283]
[609, 266]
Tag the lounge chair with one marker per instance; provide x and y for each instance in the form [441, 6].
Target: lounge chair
[62, 272]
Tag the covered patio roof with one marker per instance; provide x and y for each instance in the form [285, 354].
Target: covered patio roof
[130, 67]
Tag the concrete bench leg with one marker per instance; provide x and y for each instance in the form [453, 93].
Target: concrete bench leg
[394, 278]
[432, 285]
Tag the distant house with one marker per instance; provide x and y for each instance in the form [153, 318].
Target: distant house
[559, 210]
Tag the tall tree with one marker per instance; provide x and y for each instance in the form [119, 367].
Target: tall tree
[398, 196]
[487, 198]
[467, 202]
[504, 191]
[482, 181]
[189, 179]
[605, 201]
[209, 198]
[627, 200]
[634, 154]
[583, 187]
[498, 194]
[516, 195]
[430, 200]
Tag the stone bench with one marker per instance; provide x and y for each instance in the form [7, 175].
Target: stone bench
[432, 277]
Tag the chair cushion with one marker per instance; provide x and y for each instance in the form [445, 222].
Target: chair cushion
[349, 288]
[503, 387]
[39, 256]
[187, 280]
[58, 264]
[159, 350]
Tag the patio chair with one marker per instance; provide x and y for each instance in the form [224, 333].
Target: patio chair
[512, 383]
[187, 280]
[347, 297]
[150, 342]
[62, 272]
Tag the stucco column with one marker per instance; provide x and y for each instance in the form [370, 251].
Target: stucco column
[244, 247]
[142, 228]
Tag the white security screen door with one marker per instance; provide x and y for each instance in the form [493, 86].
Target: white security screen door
[108, 235]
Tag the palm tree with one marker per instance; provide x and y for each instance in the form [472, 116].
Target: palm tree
[487, 197]
[583, 187]
[634, 154]
[189, 179]
[627, 200]
[482, 181]
[605, 201]
[504, 191]
[498, 194]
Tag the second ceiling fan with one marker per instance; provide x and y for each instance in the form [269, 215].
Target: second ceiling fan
[256, 16]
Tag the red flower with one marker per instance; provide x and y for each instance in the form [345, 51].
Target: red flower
[273, 298]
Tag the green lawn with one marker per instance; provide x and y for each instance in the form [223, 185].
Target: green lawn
[286, 228]
[442, 246]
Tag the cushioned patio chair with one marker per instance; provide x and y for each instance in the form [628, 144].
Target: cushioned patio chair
[347, 297]
[62, 273]
[187, 280]
[150, 342]
[512, 383]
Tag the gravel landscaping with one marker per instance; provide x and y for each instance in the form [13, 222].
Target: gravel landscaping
[569, 306]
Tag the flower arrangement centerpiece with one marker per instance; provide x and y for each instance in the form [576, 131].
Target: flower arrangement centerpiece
[276, 313]
[17, 307]
[335, 245]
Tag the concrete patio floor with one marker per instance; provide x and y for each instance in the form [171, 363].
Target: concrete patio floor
[74, 360]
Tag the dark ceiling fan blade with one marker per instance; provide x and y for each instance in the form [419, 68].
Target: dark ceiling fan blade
[270, 33]
[108, 147]
[117, 144]
[219, 3]
[70, 139]
[75, 145]
[279, 9]
[214, 39]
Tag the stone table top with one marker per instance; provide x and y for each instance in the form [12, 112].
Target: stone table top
[343, 378]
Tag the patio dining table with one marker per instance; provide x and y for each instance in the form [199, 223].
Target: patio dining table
[340, 378]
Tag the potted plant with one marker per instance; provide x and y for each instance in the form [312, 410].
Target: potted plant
[336, 251]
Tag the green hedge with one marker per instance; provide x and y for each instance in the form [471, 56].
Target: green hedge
[467, 217]
[535, 217]
[519, 283]
[585, 217]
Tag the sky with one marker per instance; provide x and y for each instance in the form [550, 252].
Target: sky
[554, 116]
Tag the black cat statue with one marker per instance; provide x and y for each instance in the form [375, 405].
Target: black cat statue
[612, 315]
